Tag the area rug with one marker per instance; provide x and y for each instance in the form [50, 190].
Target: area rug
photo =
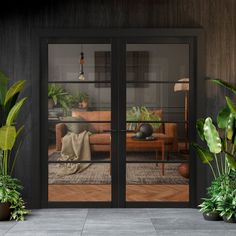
[138, 173]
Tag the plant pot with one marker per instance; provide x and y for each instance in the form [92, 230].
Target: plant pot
[231, 220]
[50, 103]
[212, 216]
[84, 104]
[4, 211]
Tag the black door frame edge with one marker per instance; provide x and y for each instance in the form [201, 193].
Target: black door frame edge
[72, 35]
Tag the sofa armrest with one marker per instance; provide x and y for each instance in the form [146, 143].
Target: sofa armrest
[60, 133]
[171, 131]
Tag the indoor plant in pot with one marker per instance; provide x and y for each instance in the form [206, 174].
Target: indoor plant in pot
[11, 201]
[220, 140]
[83, 100]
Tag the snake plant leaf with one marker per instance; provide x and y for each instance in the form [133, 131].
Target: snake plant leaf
[3, 87]
[212, 136]
[14, 112]
[7, 137]
[223, 117]
[230, 160]
[225, 84]
[199, 126]
[203, 153]
[13, 90]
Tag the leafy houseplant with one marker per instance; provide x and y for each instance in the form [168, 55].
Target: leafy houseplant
[58, 95]
[220, 140]
[83, 99]
[9, 133]
[141, 114]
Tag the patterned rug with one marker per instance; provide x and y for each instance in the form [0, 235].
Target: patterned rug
[140, 173]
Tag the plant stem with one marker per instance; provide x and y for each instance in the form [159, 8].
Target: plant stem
[16, 156]
[222, 163]
[217, 164]
[213, 172]
[5, 161]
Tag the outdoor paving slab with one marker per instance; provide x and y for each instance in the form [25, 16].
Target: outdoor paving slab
[6, 226]
[45, 233]
[195, 233]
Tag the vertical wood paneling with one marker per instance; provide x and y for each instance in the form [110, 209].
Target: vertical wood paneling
[217, 17]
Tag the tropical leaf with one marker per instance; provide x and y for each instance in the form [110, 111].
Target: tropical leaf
[20, 130]
[223, 117]
[231, 106]
[203, 153]
[3, 87]
[230, 127]
[14, 89]
[212, 136]
[7, 137]
[199, 126]
[225, 84]
[14, 112]
[231, 161]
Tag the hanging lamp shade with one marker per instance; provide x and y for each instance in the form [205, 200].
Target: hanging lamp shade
[81, 62]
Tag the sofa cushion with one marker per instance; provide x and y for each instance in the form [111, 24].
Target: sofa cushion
[74, 127]
[102, 138]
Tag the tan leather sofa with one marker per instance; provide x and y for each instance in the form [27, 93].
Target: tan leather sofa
[100, 139]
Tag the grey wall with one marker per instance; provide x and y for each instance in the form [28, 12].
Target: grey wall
[216, 17]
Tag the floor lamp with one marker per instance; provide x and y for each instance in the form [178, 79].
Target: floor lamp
[183, 86]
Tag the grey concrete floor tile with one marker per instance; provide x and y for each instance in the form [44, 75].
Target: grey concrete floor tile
[118, 233]
[195, 233]
[189, 223]
[45, 232]
[6, 225]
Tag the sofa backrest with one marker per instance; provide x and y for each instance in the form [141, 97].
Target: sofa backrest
[105, 116]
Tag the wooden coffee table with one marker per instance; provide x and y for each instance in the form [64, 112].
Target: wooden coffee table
[155, 145]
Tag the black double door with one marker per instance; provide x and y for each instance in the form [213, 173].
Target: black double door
[129, 86]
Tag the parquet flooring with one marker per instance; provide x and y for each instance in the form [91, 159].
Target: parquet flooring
[133, 193]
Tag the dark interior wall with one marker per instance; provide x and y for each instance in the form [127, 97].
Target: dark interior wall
[216, 17]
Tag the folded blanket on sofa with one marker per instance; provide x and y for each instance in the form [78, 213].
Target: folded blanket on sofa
[75, 147]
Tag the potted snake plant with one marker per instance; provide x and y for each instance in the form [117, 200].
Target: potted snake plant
[12, 206]
[219, 153]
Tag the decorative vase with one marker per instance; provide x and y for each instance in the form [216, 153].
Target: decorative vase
[212, 216]
[4, 211]
[146, 129]
[184, 170]
[231, 220]
[50, 103]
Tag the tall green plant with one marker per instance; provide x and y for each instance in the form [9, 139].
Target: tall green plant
[9, 133]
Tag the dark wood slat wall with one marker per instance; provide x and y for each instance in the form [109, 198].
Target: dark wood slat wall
[217, 17]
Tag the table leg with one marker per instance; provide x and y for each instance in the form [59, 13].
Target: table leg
[156, 157]
[163, 157]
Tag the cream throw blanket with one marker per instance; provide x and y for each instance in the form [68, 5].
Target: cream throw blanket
[75, 147]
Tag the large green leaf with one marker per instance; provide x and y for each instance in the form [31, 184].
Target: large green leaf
[203, 154]
[223, 117]
[14, 112]
[225, 84]
[212, 136]
[7, 137]
[230, 127]
[14, 89]
[231, 106]
[199, 126]
[231, 161]
[3, 87]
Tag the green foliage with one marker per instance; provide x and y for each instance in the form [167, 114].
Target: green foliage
[199, 126]
[82, 97]
[59, 96]
[204, 154]
[141, 114]
[223, 117]
[211, 136]
[209, 205]
[10, 192]
[9, 133]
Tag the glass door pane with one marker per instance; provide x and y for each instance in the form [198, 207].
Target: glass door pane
[79, 122]
[157, 145]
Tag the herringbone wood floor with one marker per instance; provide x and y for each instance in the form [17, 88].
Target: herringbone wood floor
[133, 193]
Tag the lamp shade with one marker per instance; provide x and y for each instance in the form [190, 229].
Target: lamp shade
[182, 86]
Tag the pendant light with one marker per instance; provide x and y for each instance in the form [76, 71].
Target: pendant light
[81, 62]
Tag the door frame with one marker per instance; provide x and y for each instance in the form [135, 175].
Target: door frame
[41, 37]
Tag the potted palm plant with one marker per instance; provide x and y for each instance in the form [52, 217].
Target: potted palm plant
[12, 205]
[219, 154]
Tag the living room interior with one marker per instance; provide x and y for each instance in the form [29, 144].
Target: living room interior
[157, 92]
